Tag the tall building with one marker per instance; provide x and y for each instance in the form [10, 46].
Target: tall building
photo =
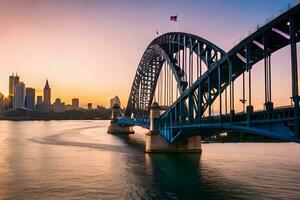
[57, 105]
[115, 100]
[39, 103]
[30, 98]
[19, 95]
[11, 90]
[17, 80]
[75, 103]
[11, 85]
[13, 81]
[47, 97]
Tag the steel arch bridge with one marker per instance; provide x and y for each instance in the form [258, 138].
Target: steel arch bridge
[163, 50]
[203, 74]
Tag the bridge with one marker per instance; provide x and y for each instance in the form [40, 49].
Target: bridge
[182, 77]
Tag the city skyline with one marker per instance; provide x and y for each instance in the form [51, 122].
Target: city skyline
[14, 80]
[40, 92]
[79, 41]
[21, 96]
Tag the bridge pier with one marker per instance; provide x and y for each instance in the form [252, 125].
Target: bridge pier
[157, 144]
[249, 113]
[114, 128]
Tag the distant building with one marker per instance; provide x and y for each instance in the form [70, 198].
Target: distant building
[13, 81]
[115, 100]
[11, 90]
[11, 85]
[90, 106]
[47, 97]
[19, 96]
[10, 101]
[2, 103]
[39, 103]
[58, 106]
[30, 98]
[17, 80]
[75, 103]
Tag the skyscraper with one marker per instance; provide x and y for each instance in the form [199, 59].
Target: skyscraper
[39, 103]
[30, 98]
[19, 95]
[13, 81]
[75, 103]
[47, 96]
[11, 85]
[11, 90]
[16, 80]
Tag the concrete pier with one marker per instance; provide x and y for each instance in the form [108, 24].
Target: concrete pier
[157, 144]
[114, 128]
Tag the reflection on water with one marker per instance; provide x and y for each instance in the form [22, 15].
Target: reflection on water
[78, 160]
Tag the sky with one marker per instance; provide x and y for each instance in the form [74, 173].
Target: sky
[90, 49]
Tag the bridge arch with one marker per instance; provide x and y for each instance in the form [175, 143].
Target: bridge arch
[165, 49]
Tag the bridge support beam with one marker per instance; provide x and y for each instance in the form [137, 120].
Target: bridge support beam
[114, 128]
[269, 108]
[249, 114]
[157, 144]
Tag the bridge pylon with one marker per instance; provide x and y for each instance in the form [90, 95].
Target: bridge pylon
[155, 143]
[114, 128]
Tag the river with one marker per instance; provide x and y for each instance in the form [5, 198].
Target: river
[79, 160]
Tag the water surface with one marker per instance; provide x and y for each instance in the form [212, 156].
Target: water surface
[78, 160]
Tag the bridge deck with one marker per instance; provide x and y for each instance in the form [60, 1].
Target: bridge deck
[278, 124]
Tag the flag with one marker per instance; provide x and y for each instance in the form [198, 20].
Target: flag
[173, 18]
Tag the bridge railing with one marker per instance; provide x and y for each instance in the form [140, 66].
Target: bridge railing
[171, 129]
[277, 113]
[266, 21]
[125, 121]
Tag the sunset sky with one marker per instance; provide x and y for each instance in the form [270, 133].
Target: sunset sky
[90, 49]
